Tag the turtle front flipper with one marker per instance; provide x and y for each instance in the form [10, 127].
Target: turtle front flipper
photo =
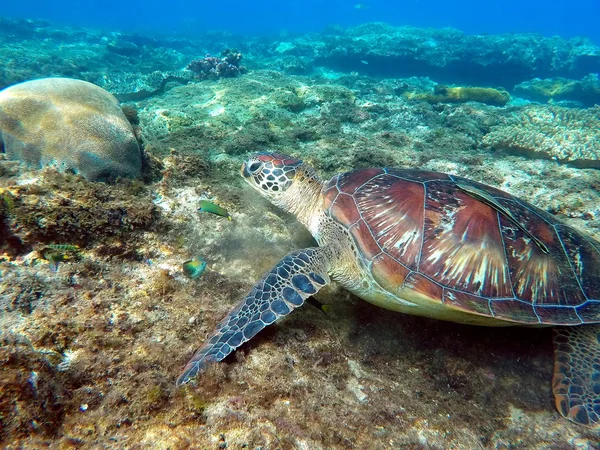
[285, 287]
[576, 382]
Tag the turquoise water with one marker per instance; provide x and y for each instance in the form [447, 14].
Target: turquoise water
[567, 19]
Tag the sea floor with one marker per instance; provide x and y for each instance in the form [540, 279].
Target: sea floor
[91, 348]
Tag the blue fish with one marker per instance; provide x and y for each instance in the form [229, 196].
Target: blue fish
[194, 267]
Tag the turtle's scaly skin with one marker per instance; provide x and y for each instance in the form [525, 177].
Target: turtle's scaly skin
[576, 381]
[435, 245]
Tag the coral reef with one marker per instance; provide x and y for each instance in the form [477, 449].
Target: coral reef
[446, 55]
[83, 213]
[213, 67]
[134, 86]
[449, 55]
[585, 92]
[90, 349]
[562, 134]
[123, 47]
[70, 124]
[460, 94]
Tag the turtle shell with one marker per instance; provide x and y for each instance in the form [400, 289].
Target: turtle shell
[421, 232]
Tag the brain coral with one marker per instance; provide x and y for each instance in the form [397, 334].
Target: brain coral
[568, 135]
[71, 124]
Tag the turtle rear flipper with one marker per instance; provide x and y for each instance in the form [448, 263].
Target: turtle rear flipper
[285, 287]
[576, 382]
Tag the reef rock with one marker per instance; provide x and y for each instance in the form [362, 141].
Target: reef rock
[566, 135]
[586, 92]
[133, 86]
[71, 124]
[448, 55]
[462, 94]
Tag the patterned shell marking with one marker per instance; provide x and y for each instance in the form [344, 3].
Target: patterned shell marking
[420, 232]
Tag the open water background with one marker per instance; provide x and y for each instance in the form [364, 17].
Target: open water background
[564, 18]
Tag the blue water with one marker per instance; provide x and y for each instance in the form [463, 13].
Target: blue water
[567, 19]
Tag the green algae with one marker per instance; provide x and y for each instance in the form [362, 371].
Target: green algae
[585, 92]
[489, 96]
[7, 202]
[289, 100]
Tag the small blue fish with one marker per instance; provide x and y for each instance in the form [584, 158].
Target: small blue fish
[194, 267]
[210, 207]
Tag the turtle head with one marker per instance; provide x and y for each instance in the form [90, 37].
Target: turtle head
[272, 174]
[287, 182]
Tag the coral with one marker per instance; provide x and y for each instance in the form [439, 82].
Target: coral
[71, 124]
[445, 94]
[33, 394]
[7, 205]
[544, 90]
[448, 54]
[318, 94]
[34, 49]
[294, 65]
[131, 114]
[213, 67]
[288, 100]
[585, 91]
[123, 47]
[567, 135]
[62, 208]
[136, 86]
[255, 134]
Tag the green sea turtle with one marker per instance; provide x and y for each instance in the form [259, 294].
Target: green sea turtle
[433, 245]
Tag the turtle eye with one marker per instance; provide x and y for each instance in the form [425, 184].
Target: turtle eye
[255, 167]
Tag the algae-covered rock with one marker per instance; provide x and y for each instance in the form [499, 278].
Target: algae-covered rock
[567, 135]
[131, 86]
[585, 91]
[448, 54]
[462, 94]
[289, 100]
[71, 124]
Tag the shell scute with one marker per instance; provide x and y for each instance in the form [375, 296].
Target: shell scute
[558, 315]
[467, 302]
[351, 181]
[393, 209]
[330, 193]
[367, 245]
[543, 279]
[589, 312]
[496, 193]
[463, 245]
[423, 286]
[514, 310]
[585, 259]
[388, 272]
[418, 176]
[344, 209]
